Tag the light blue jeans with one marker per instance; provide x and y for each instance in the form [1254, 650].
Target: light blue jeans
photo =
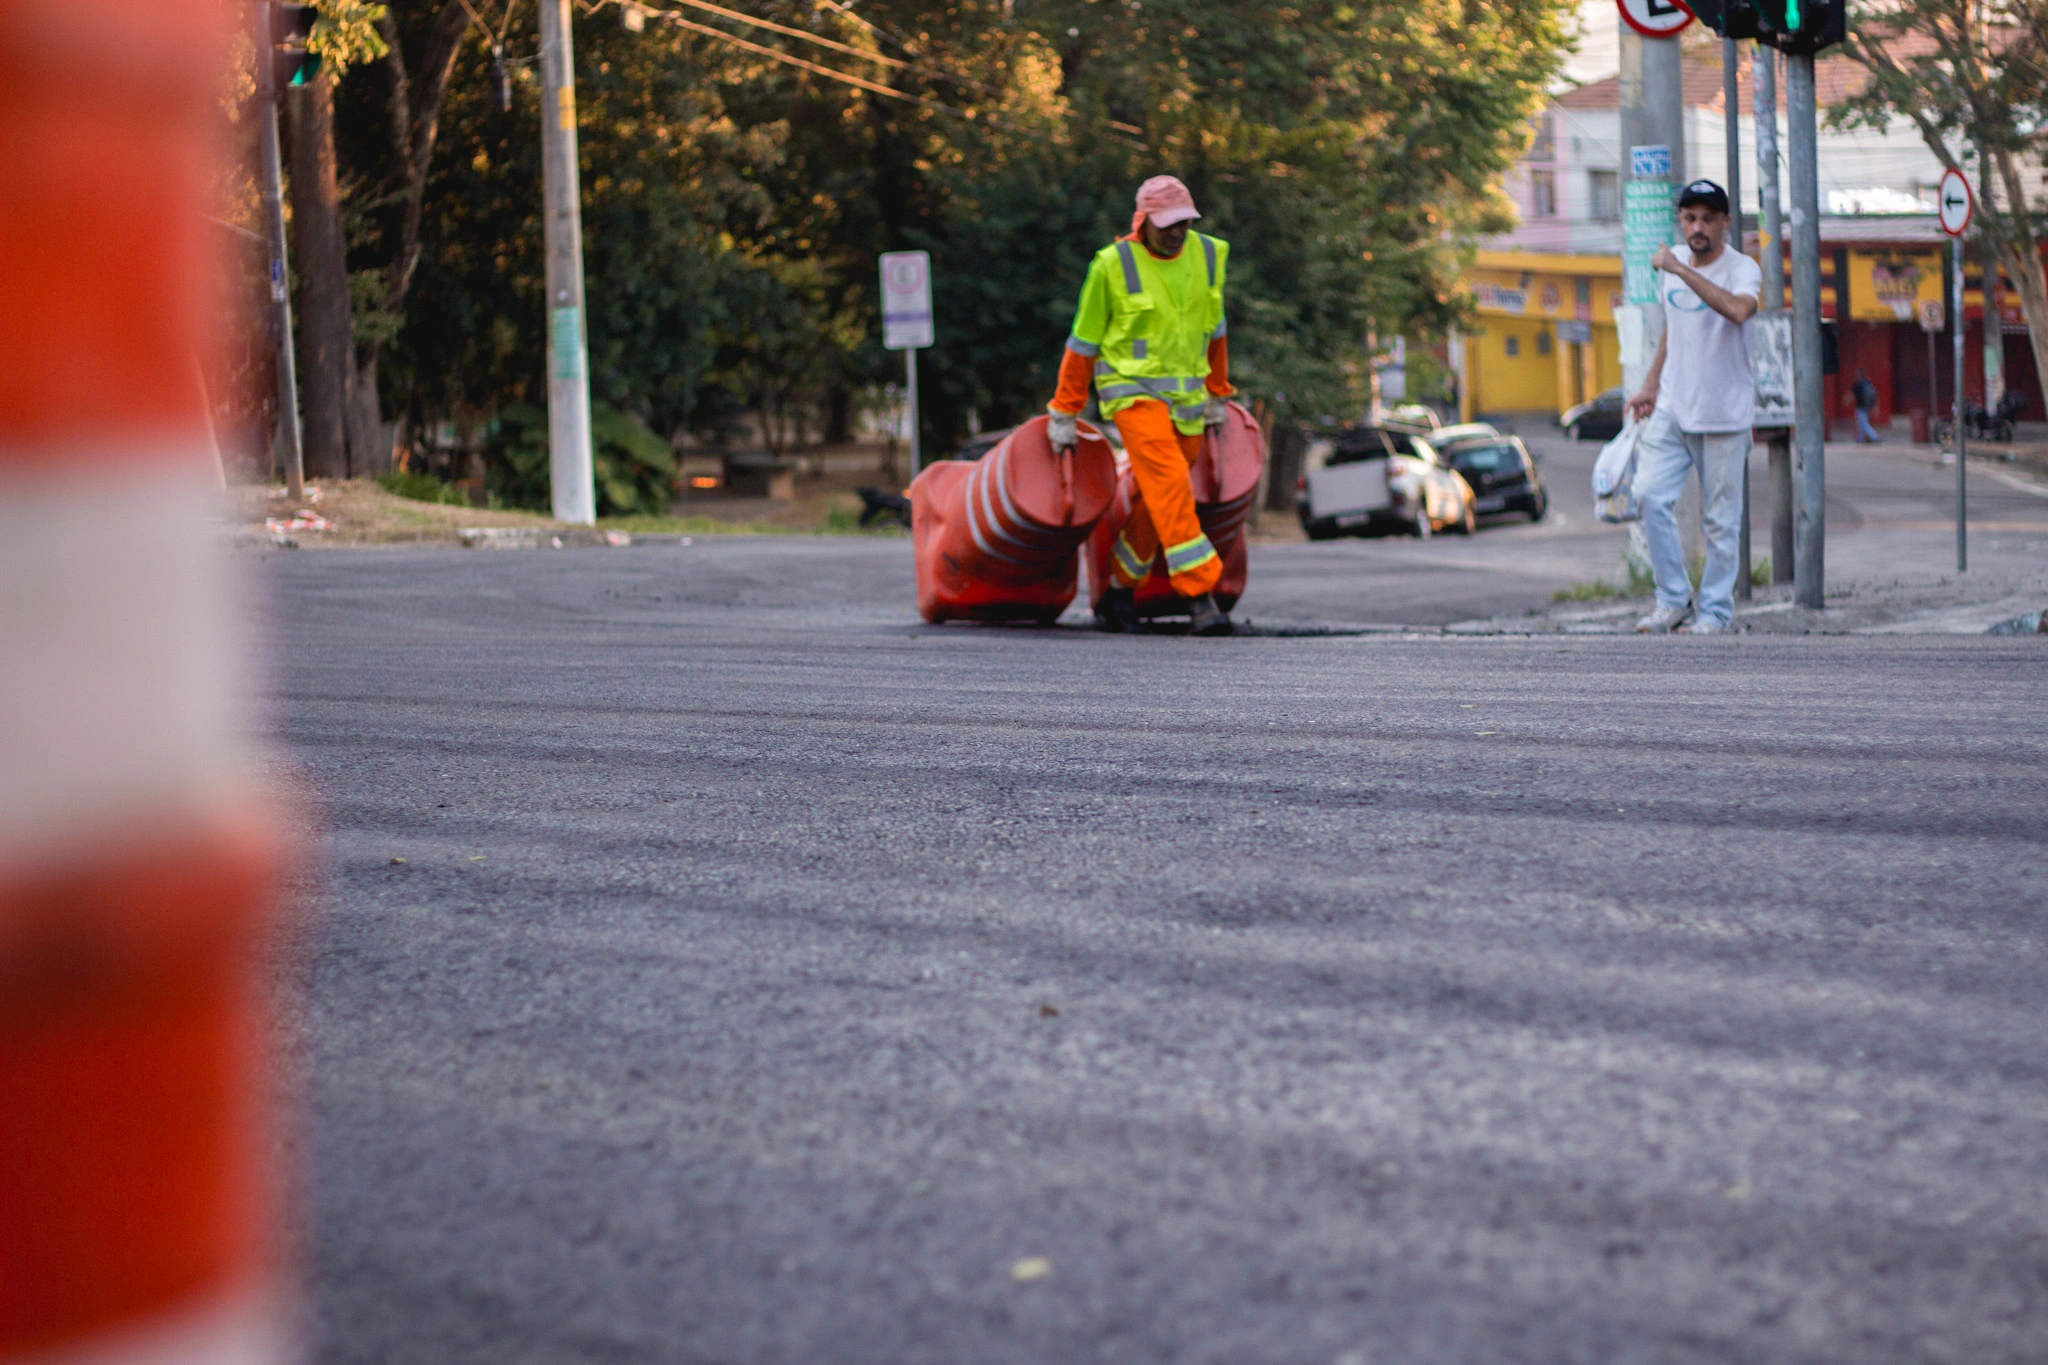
[1663, 460]
[1866, 434]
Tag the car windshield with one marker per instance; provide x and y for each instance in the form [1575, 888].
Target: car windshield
[1372, 443]
[1500, 456]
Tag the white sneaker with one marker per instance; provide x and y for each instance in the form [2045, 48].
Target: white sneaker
[1664, 620]
[1707, 625]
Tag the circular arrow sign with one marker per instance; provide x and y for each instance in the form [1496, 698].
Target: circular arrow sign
[1953, 202]
[1654, 18]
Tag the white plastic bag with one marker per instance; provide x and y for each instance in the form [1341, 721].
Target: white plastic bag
[1614, 475]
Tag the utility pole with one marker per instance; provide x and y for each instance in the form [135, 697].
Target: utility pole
[1732, 110]
[285, 446]
[1764, 66]
[1652, 167]
[569, 462]
[1809, 587]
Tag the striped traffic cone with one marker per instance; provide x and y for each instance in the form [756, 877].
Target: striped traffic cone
[138, 871]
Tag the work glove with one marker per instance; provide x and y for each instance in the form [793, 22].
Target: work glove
[1215, 411]
[1062, 430]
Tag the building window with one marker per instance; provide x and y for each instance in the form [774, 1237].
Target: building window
[1543, 193]
[1544, 146]
[1605, 195]
[1543, 343]
[1513, 345]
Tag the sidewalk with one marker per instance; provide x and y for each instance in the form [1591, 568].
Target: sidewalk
[1891, 566]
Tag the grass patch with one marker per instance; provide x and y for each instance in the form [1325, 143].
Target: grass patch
[844, 521]
[690, 526]
[422, 488]
[1593, 590]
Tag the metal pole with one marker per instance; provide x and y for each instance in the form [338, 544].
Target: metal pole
[910, 396]
[285, 442]
[1809, 549]
[1729, 58]
[1764, 66]
[569, 462]
[1956, 406]
[1652, 117]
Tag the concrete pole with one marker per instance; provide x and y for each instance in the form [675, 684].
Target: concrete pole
[1731, 108]
[288, 451]
[1764, 66]
[1809, 455]
[569, 463]
[1652, 116]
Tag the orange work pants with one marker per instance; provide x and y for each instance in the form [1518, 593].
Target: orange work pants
[1162, 505]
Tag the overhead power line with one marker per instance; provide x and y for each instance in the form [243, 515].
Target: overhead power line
[809, 37]
[846, 77]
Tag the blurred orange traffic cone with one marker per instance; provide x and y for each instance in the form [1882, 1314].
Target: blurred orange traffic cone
[998, 539]
[137, 874]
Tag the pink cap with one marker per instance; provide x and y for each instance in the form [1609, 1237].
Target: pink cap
[1165, 201]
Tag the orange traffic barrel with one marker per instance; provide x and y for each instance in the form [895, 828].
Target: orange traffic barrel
[1225, 481]
[138, 869]
[998, 539]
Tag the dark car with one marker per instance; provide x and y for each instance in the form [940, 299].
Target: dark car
[1599, 420]
[974, 447]
[1502, 473]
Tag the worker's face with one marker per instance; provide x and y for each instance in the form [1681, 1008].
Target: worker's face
[1703, 229]
[1166, 241]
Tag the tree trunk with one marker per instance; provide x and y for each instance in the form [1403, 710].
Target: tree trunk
[370, 437]
[326, 338]
[2022, 254]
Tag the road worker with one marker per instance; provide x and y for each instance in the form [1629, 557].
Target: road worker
[1149, 332]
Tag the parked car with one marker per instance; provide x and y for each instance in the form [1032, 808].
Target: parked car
[974, 447]
[1501, 472]
[1371, 480]
[1443, 436]
[1599, 420]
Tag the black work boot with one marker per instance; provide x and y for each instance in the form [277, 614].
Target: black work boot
[1117, 612]
[1205, 617]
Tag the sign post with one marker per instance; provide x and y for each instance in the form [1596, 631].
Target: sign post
[907, 322]
[1954, 204]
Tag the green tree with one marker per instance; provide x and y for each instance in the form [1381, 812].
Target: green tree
[1966, 75]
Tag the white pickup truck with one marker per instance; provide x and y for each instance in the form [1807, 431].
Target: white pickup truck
[1369, 479]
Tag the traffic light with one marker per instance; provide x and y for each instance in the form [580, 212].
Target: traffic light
[291, 62]
[1729, 18]
[1788, 25]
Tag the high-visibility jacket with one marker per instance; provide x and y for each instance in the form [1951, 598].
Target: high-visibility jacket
[1148, 323]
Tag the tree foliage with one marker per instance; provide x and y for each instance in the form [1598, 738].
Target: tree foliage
[734, 203]
[1969, 77]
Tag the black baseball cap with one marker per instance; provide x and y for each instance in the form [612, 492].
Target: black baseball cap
[1704, 192]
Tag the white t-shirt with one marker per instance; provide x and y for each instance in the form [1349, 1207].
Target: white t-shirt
[1706, 384]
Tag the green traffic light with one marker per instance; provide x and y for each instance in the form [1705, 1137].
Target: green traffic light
[1792, 16]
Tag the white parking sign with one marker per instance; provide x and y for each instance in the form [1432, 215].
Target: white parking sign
[906, 300]
[1655, 18]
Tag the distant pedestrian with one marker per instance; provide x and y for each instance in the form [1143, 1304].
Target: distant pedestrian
[1700, 399]
[1865, 394]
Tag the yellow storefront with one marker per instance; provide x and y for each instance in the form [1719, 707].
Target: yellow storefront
[1545, 339]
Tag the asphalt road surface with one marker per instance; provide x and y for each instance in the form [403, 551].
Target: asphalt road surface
[771, 979]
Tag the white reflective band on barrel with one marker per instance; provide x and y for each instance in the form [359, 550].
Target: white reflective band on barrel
[240, 1329]
[120, 680]
[977, 492]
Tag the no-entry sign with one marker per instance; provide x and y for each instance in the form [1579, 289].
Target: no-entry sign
[1654, 18]
[906, 300]
[1952, 201]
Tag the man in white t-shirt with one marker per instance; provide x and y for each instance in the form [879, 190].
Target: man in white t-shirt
[1701, 402]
